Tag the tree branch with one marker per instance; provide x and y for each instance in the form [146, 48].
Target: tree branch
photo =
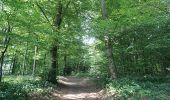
[43, 12]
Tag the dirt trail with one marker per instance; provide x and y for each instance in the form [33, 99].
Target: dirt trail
[73, 88]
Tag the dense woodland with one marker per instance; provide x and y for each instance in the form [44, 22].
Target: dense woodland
[124, 44]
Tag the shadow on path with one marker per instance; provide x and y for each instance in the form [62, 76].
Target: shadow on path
[73, 88]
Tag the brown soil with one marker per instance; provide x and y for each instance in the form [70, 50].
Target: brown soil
[73, 88]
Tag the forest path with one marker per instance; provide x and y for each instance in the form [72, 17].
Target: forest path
[74, 88]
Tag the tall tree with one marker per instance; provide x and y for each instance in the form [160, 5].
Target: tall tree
[108, 43]
[5, 47]
[53, 71]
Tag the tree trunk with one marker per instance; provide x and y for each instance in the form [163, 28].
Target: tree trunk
[65, 61]
[65, 64]
[108, 43]
[2, 61]
[6, 43]
[104, 10]
[109, 47]
[13, 65]
[53, 71]
[45, 59]
[34, 63]
[24, 60]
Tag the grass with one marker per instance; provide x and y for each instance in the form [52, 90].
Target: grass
[152, 88]
[20, 87]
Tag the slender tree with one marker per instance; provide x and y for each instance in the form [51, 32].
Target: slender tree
[34, 62]
[108, 43]
[5, 44]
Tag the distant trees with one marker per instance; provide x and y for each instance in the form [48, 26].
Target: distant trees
[4, 46]
[137, 31]
[51, 32]
[44, 37]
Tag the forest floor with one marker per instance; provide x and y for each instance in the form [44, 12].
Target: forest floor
[74, 88]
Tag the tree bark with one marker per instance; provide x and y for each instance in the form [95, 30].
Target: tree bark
[2, 60]
[108, 43]
[53, 71]
[24, 60]
[44, 61]
[109, 49]
[14, 64]
[104, 10]
[65, 60]
[34, 62]
[6, 43]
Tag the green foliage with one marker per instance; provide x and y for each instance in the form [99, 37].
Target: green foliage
[140, 36]
[20, 87]
[12, 92]
[139, 31]
[136, 89]
[43, 74]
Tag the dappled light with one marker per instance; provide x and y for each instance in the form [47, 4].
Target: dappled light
[75, 88]
[89, 96]
[84, 50]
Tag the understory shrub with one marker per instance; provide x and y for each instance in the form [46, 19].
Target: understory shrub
[149, 88]
[18, 87]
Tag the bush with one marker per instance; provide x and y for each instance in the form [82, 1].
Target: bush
[43, 75]
[12, 92]
[136, 89]
[18, 87]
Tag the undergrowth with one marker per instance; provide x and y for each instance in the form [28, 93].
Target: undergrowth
[150, 88]
[19, 87]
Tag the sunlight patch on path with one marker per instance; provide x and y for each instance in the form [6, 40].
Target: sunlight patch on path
[75, 82]
[73, 88]
[78, 96]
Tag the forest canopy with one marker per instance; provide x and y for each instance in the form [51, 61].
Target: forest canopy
[104, 39]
